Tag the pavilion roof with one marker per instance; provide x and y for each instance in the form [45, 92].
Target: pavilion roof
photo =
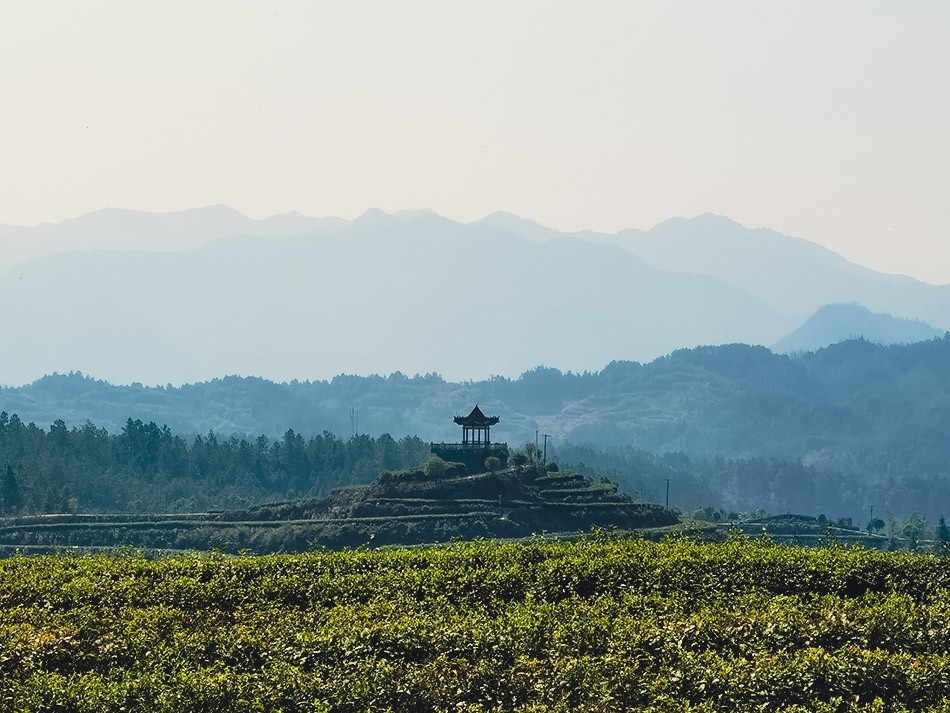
[476, 419]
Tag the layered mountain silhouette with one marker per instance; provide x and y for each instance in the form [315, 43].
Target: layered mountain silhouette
[791, 275]
[190, 296]
[736, 400]
[116, 229]
[839, 322]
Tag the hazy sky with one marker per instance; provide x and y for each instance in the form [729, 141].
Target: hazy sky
[827, 120]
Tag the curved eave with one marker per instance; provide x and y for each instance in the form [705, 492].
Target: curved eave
[466, 421]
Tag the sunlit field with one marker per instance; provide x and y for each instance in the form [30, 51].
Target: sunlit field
[593, 625]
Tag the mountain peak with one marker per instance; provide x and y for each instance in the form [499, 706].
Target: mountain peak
[372, 214]
[374, 219]
[408, 215]
[838, 322]
[708, 222]
[515, 224]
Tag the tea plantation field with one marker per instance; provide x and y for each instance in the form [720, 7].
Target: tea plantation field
[591, 625]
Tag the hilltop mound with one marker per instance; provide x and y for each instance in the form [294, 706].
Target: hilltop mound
[406, 507]
[415, 506]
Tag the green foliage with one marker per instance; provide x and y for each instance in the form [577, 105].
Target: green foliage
[147, 468]
[708, 514]
[532, 453]
[10, 491]
[422, 505]
[518, 459]
[943, 532]
[435, 467]
[492, 463]
[834, 431]
[876, 525]
[914, 528]
[601, 624]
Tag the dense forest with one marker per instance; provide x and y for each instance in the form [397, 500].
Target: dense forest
[736, 401]
[836, 431]
[775, 485]
[147, 468]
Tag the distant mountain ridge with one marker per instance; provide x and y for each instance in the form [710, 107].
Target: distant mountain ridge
[380, 295]
[183, 297]
[791, 275]
[120, 229]
[839, 322]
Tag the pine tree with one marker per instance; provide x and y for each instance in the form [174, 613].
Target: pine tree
[943, 537]
[10, 490]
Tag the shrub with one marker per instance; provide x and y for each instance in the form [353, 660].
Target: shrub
[435, 467]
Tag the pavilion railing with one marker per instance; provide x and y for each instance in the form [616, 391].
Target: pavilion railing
[474, 446]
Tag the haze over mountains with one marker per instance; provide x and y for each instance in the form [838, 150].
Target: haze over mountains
[830, 431]
[837, 322]
[117, 229]
[195, 295]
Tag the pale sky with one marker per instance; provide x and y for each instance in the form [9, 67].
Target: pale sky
[826, 120]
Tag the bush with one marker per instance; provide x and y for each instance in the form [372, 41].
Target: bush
[435, 467]
[492, 464]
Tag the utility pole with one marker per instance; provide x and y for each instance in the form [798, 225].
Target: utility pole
[544, 458]
[667, 492]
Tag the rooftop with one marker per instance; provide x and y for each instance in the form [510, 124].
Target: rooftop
[476, 419]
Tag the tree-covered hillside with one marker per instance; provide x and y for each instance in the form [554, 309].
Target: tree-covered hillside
[147, 468]
[833, 431]
[735, 401]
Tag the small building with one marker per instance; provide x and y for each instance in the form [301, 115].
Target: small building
[476, 445]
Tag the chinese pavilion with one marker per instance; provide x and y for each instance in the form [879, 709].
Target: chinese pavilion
[476, 443]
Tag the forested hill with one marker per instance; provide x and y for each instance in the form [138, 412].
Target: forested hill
[736, 401]
[831, 431]
[147, 468]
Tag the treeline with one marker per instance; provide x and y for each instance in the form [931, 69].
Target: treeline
[839, 489]
[147, 468]
[735, 400]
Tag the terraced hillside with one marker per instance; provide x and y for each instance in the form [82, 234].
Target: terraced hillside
[412, 507]
[406, 507]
